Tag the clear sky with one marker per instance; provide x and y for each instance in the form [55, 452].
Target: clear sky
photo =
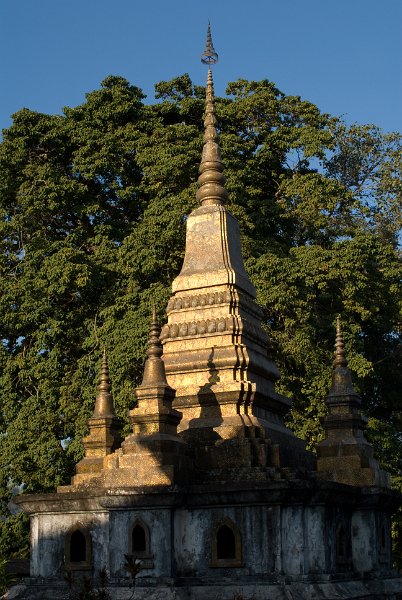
[343, 55]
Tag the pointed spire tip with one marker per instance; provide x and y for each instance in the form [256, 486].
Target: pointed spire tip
[342, 384]
[209, 56]
[339, 354]
[104, 401]
[154, 369]
[211, 180]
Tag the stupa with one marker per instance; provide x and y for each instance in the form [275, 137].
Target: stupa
[211, 494]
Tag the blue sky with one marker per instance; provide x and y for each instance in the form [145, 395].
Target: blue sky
[343, 55]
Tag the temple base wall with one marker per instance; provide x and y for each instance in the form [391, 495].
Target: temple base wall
[290, 537]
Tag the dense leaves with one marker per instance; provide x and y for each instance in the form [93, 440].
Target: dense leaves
[92, 228]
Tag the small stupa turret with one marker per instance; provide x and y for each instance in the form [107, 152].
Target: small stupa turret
[104, 430]
[154, 369]
[154, 412]
[345, 455]
[342, 384]
[153, 454]
[104, 400]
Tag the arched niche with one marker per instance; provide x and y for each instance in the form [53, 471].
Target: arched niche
[226, 550]
[78, 548]
[139, 540]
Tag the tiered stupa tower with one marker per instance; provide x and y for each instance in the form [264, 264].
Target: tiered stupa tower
[345, 455]
[104, 431]
[214, 348]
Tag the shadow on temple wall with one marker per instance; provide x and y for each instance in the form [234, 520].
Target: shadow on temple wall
[238, 443]
[59, 575]
[202, 429]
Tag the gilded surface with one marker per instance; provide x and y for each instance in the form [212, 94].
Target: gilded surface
[345, 455]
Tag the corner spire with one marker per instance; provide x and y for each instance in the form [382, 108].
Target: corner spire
[344, 455]
[211, 179]
[154, 370]
[341, 377]
[104, 400]
[104, 432]
[154, 454]
[339, 354]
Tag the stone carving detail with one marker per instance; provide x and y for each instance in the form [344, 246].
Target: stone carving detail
[174, 330]
[192, 329]
[199, 300]
[183, 330]
[197, 327]
[165, 331]
[201, 327]
[226, 297]
[218, 325]
[211, 326]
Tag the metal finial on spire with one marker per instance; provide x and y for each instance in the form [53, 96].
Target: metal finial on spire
[211, 180]
[209, 56]
[104, 400]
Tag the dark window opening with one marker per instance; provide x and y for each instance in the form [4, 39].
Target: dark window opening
[139, 540]
[225, 543]
[78, 547]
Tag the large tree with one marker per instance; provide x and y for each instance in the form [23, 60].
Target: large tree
[92, 207]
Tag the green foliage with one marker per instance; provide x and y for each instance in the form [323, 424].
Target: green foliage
[303, 292]
[14, 532]
[92, 231]
[397, 538]
[6, 580]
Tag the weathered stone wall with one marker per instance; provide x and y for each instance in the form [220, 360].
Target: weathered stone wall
[158, 521]
[293, 541]
[48, 536]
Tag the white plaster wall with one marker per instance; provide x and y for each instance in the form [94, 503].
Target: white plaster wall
[364, 541]
[292, 524]
[191, 540]
[317, 540]
[49, 531]
[260, 536]
[34, 539]
[290, 540]
[260, 529]
[159, 523]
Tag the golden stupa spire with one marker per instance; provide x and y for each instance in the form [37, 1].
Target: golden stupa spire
[341, 377]
[345, 455]
[211, 179]
[104, 399]
[339, 354]
[154, 370]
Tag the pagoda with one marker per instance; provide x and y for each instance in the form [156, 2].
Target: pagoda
[211, 495]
